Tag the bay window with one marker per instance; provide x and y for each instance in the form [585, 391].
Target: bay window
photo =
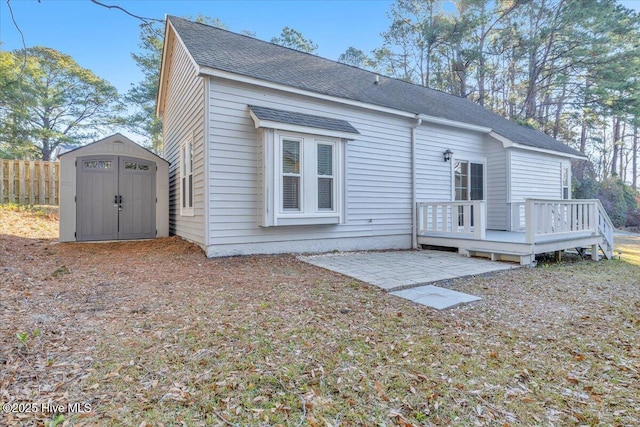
[301, 167]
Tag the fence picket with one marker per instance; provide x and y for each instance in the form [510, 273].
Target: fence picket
[29, 182]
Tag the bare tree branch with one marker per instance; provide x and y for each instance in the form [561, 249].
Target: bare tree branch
[147, 21]
[24, 50]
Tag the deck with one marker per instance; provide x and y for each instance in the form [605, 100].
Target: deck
[537, 227]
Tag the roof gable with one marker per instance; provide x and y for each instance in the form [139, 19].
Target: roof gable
[116, 138]
[223, 50]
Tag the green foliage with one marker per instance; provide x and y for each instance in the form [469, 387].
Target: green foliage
[48, 99]
[355, 57]
[292, 38]
[57, 420]
[142, 97]
[618, 199]
[25, 337]
[584, 183]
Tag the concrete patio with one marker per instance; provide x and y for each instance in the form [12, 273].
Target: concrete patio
[407, 273]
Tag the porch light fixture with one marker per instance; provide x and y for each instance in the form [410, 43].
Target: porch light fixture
[447, 155]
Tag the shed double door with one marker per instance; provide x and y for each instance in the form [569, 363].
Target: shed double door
[116, 198]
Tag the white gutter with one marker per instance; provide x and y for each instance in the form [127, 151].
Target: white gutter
[414, 198]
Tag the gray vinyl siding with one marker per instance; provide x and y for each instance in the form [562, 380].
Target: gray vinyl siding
[378, 170]
[184, 119]
[535, 175]
[497, 207]
[434, 175]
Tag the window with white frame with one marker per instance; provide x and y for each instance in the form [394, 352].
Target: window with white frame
[468, 184]
[468, 180]
[291, 175]
[326, 180]
[566, 182]
[186, 178]
[307, 178]
[301, 179]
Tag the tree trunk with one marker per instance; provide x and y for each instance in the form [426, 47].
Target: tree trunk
[634, 159]
[621, 148]
[616, 139]
[583, 136]
[559, 105]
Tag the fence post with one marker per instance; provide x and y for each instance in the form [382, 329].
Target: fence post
[55, 175]
[43, 188]
[11, 180]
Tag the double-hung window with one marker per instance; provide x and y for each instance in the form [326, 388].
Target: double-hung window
[307, 181]
[186, 178]
[566, 181]
[291, 195]
[326, 177]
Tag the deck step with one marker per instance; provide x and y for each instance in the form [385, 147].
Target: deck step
[498, 251]
[525, 258]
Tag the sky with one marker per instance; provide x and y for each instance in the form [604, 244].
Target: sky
[102, 39]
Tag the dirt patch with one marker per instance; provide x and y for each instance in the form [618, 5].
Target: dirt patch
[153, 332]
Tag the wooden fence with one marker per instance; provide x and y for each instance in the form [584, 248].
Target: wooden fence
[29, 182]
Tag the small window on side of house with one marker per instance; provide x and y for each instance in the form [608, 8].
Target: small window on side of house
[186, 179]
[566, 182]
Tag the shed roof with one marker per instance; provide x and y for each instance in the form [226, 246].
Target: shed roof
[116, 137]
[223, 50]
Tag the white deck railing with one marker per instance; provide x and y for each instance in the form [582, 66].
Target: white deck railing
[538, 219]
[554, 217]
[453, 219]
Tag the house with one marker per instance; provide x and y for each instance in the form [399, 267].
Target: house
[274, 150]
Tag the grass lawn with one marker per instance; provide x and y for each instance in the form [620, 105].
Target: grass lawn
[152, 333]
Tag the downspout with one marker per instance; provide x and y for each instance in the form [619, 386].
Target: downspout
[414, 200]
[206, 155]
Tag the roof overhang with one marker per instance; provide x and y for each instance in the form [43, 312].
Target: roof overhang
[116, 138]
[299, 122]
[163, 78]
[171, 37]
[507, 143]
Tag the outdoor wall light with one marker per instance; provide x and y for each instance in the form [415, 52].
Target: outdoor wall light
[447, 155]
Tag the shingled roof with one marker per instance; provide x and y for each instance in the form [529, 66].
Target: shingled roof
[301, 119]
[223, 50]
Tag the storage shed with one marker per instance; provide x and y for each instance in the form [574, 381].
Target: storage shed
[113, 189]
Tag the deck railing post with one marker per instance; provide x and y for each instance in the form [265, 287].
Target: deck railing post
[530, 221]
[594, 218]
[479, 219]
